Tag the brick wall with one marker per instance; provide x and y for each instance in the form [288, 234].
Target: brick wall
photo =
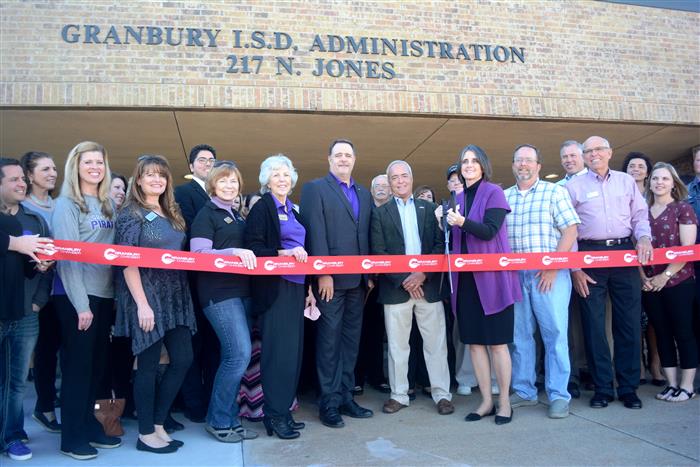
[583, 59]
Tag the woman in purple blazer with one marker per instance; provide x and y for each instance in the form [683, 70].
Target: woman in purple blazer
[483, 301]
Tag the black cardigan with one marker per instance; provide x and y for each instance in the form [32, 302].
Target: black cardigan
[14, 267]
[262, 236]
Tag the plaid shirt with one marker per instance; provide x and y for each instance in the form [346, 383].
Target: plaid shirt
[536, 219]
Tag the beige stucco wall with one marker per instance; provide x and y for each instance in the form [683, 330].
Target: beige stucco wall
[583, 59]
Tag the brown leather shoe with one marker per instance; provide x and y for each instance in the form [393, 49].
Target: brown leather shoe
[445, 407]
[392, 406]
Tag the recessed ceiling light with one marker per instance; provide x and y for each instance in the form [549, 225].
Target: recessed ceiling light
[549, 176]
[188, 177]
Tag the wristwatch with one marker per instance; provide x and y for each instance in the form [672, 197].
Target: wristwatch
[668, 274]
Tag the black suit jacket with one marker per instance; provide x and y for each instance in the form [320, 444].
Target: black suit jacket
[387, 239]
[331, 227]
[262, 235]
[191, 197]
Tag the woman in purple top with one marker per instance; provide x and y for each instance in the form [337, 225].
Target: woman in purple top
[669, 289]
[218, 229]
[484, 300]
[274, 228]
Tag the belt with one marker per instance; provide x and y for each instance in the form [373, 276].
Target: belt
[608, 242]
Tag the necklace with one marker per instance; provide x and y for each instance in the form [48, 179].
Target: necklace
[48, 205]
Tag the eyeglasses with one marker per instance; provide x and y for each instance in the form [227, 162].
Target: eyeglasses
[229, 164]
[205, 160]
[596, 149]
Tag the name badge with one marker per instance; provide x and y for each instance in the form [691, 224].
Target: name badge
[228, 220]
[284, 217]
[592, 194]
[151, 216]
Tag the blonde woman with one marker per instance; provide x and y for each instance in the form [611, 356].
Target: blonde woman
[83, 298]
[154, 306]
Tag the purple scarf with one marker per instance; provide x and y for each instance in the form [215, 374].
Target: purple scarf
[497, 289]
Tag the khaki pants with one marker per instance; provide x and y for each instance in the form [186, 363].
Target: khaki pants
[431, 323]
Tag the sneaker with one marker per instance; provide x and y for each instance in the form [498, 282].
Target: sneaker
[244, 433]
[105, 442]
[52, 426]
[464, 390]
[81, 453]
[17, 451]
[225, 435]
[517, 401]
[559, 408]
[495, 390]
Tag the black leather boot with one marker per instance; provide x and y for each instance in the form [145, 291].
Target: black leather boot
[280, 427]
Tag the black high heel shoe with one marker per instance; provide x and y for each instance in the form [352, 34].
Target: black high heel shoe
[293, 424]
[280, 427]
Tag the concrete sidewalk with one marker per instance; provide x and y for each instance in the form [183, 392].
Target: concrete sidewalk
[661, 433]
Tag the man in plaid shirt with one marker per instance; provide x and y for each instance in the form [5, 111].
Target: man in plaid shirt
[542, 219]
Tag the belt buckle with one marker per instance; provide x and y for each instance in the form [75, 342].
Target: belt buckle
[611, 242]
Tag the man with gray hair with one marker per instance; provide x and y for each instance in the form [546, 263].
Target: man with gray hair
[380, 190]
[370, 356]
[541, 220]
[406, 226]
[614, 216]
[571, 154]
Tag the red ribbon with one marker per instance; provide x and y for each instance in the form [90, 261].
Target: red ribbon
[99, 253]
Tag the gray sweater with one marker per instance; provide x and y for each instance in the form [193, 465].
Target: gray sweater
[83, 279]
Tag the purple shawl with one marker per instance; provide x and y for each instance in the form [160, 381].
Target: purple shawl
[497, 289]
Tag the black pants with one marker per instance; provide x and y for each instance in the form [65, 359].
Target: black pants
[625, 289]
[46, 358]
[671, 313]
[153, 403]
[282, 349]
[116, 378]
[370, 358]
[696, 307]
[82, 362]
[337, 340]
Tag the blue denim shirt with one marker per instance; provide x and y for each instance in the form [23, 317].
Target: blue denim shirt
[694, 199]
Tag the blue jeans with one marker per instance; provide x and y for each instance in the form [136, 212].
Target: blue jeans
[228, 318]
[549, 311]
[17, 339]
